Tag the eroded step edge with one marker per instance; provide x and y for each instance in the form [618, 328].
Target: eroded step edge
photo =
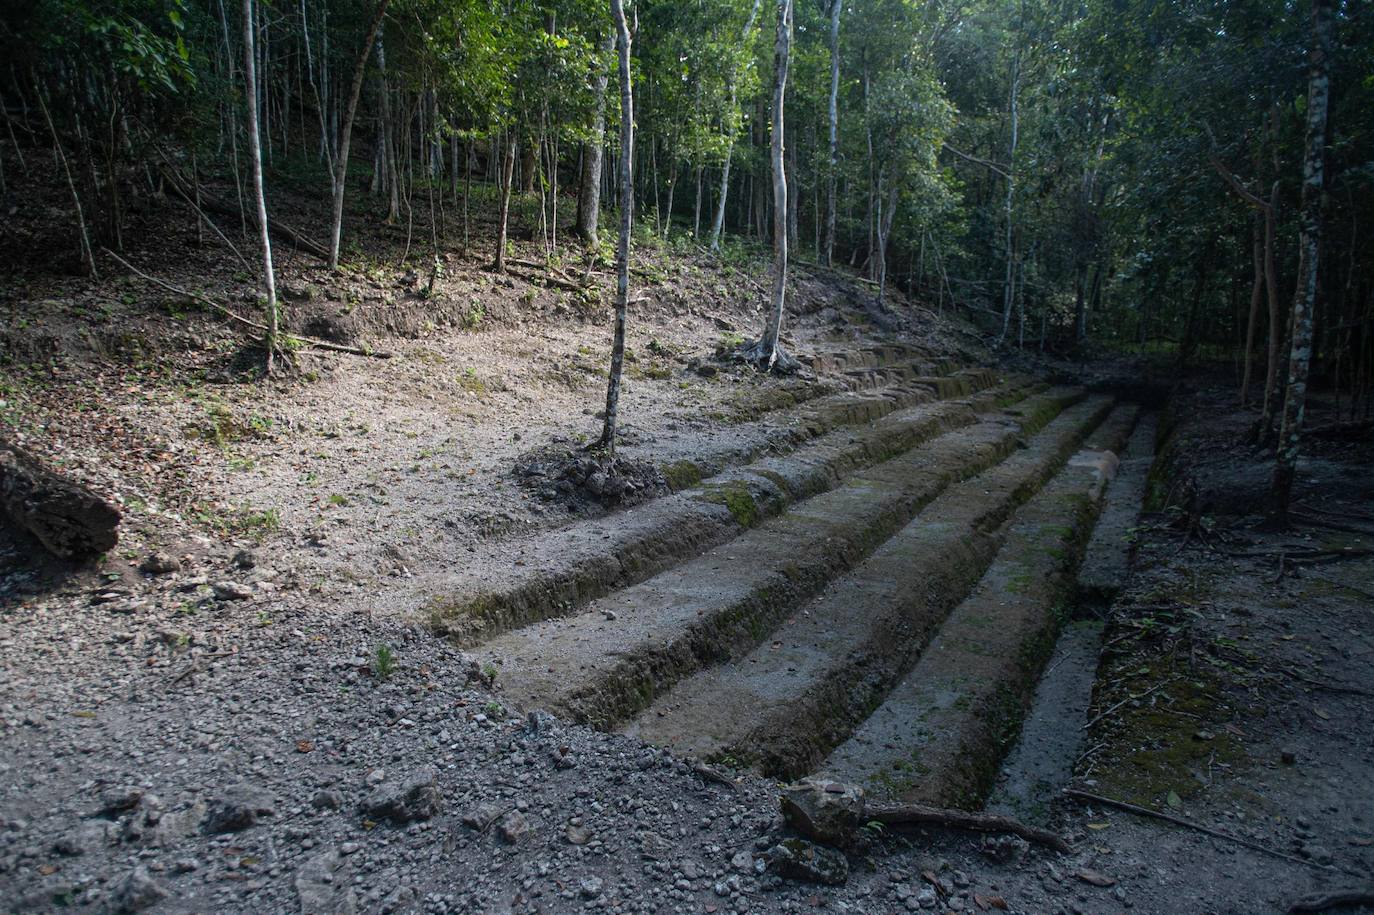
[789, 702]
[940, 734]
[564, 569]
[602, 669]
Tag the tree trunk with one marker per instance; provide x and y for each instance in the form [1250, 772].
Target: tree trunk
[1256, 293]
[719, 224]
[768, 345]
[622, 247]
[1007, 296]
[589, 191]
[346, 133]
[1304, 300]
[259, 198]
[66, 517]
[507, 179]
[1271, 284]
[828, 246]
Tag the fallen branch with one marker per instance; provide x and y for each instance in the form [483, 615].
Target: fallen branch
[921, 815]
[1153, 689]
[210, 202]
[1323, 901]
[546, 279]
[711, 774]
[1179, 821]
[1324, 684]
[246, 322]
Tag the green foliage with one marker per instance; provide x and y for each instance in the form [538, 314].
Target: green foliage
[383, 663]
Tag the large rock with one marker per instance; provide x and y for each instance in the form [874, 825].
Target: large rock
[66, 517]
[323, 886]
[826, 811]
[416, 798]
[799, 859]
[137, 891]
[240, 808]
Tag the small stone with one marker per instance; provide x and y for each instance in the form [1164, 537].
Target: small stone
[327, 799]
[159, 563]
[514, 827]
[799, 859]
[578, 835]
[117, 801]
[137, 891]
[416, 798]
[482, 816]
[230, 590]
[590, 887]
[926, 898]
[239, 809]
[743, 862]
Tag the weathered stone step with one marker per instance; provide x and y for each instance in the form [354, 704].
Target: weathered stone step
[1051, 737]
[940, 734]
[786, 704]
[1107, 561]
[689, 458]
[562, 570]
[611, 661]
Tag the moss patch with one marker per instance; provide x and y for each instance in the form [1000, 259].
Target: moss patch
[681, 475]
[736, 497]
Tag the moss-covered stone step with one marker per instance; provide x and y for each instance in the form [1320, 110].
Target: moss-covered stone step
[1107, 562]
[785, 705]
[562, 570]
[611, 661]
[940, 734]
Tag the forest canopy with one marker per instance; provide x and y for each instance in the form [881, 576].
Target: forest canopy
[1121, 174]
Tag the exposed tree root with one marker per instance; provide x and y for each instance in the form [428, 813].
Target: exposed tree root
[921, 815]
[783, 363]
[1179, 821]
[1323, 901]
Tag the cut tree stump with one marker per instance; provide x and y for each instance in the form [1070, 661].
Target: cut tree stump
[65, 516]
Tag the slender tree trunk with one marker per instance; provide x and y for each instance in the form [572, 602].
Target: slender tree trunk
[696, 210]
[1007, 297]
[87, 252]
[346, 134]
[1271, 285]
[1304, 300]
[259, 198]
[1256, 293]
[719, 224]
[589, 190]
[828, 246]
[622, 247]
[507, 179]
[768, 345]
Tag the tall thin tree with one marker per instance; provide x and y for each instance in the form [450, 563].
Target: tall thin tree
[346, 132]
[589, 190]
[250, 77]
[828, 246]
[718, 225]
[622, 246]
[1304, 300]
[767, 353]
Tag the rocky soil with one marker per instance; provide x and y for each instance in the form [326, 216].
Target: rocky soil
[235, 712]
